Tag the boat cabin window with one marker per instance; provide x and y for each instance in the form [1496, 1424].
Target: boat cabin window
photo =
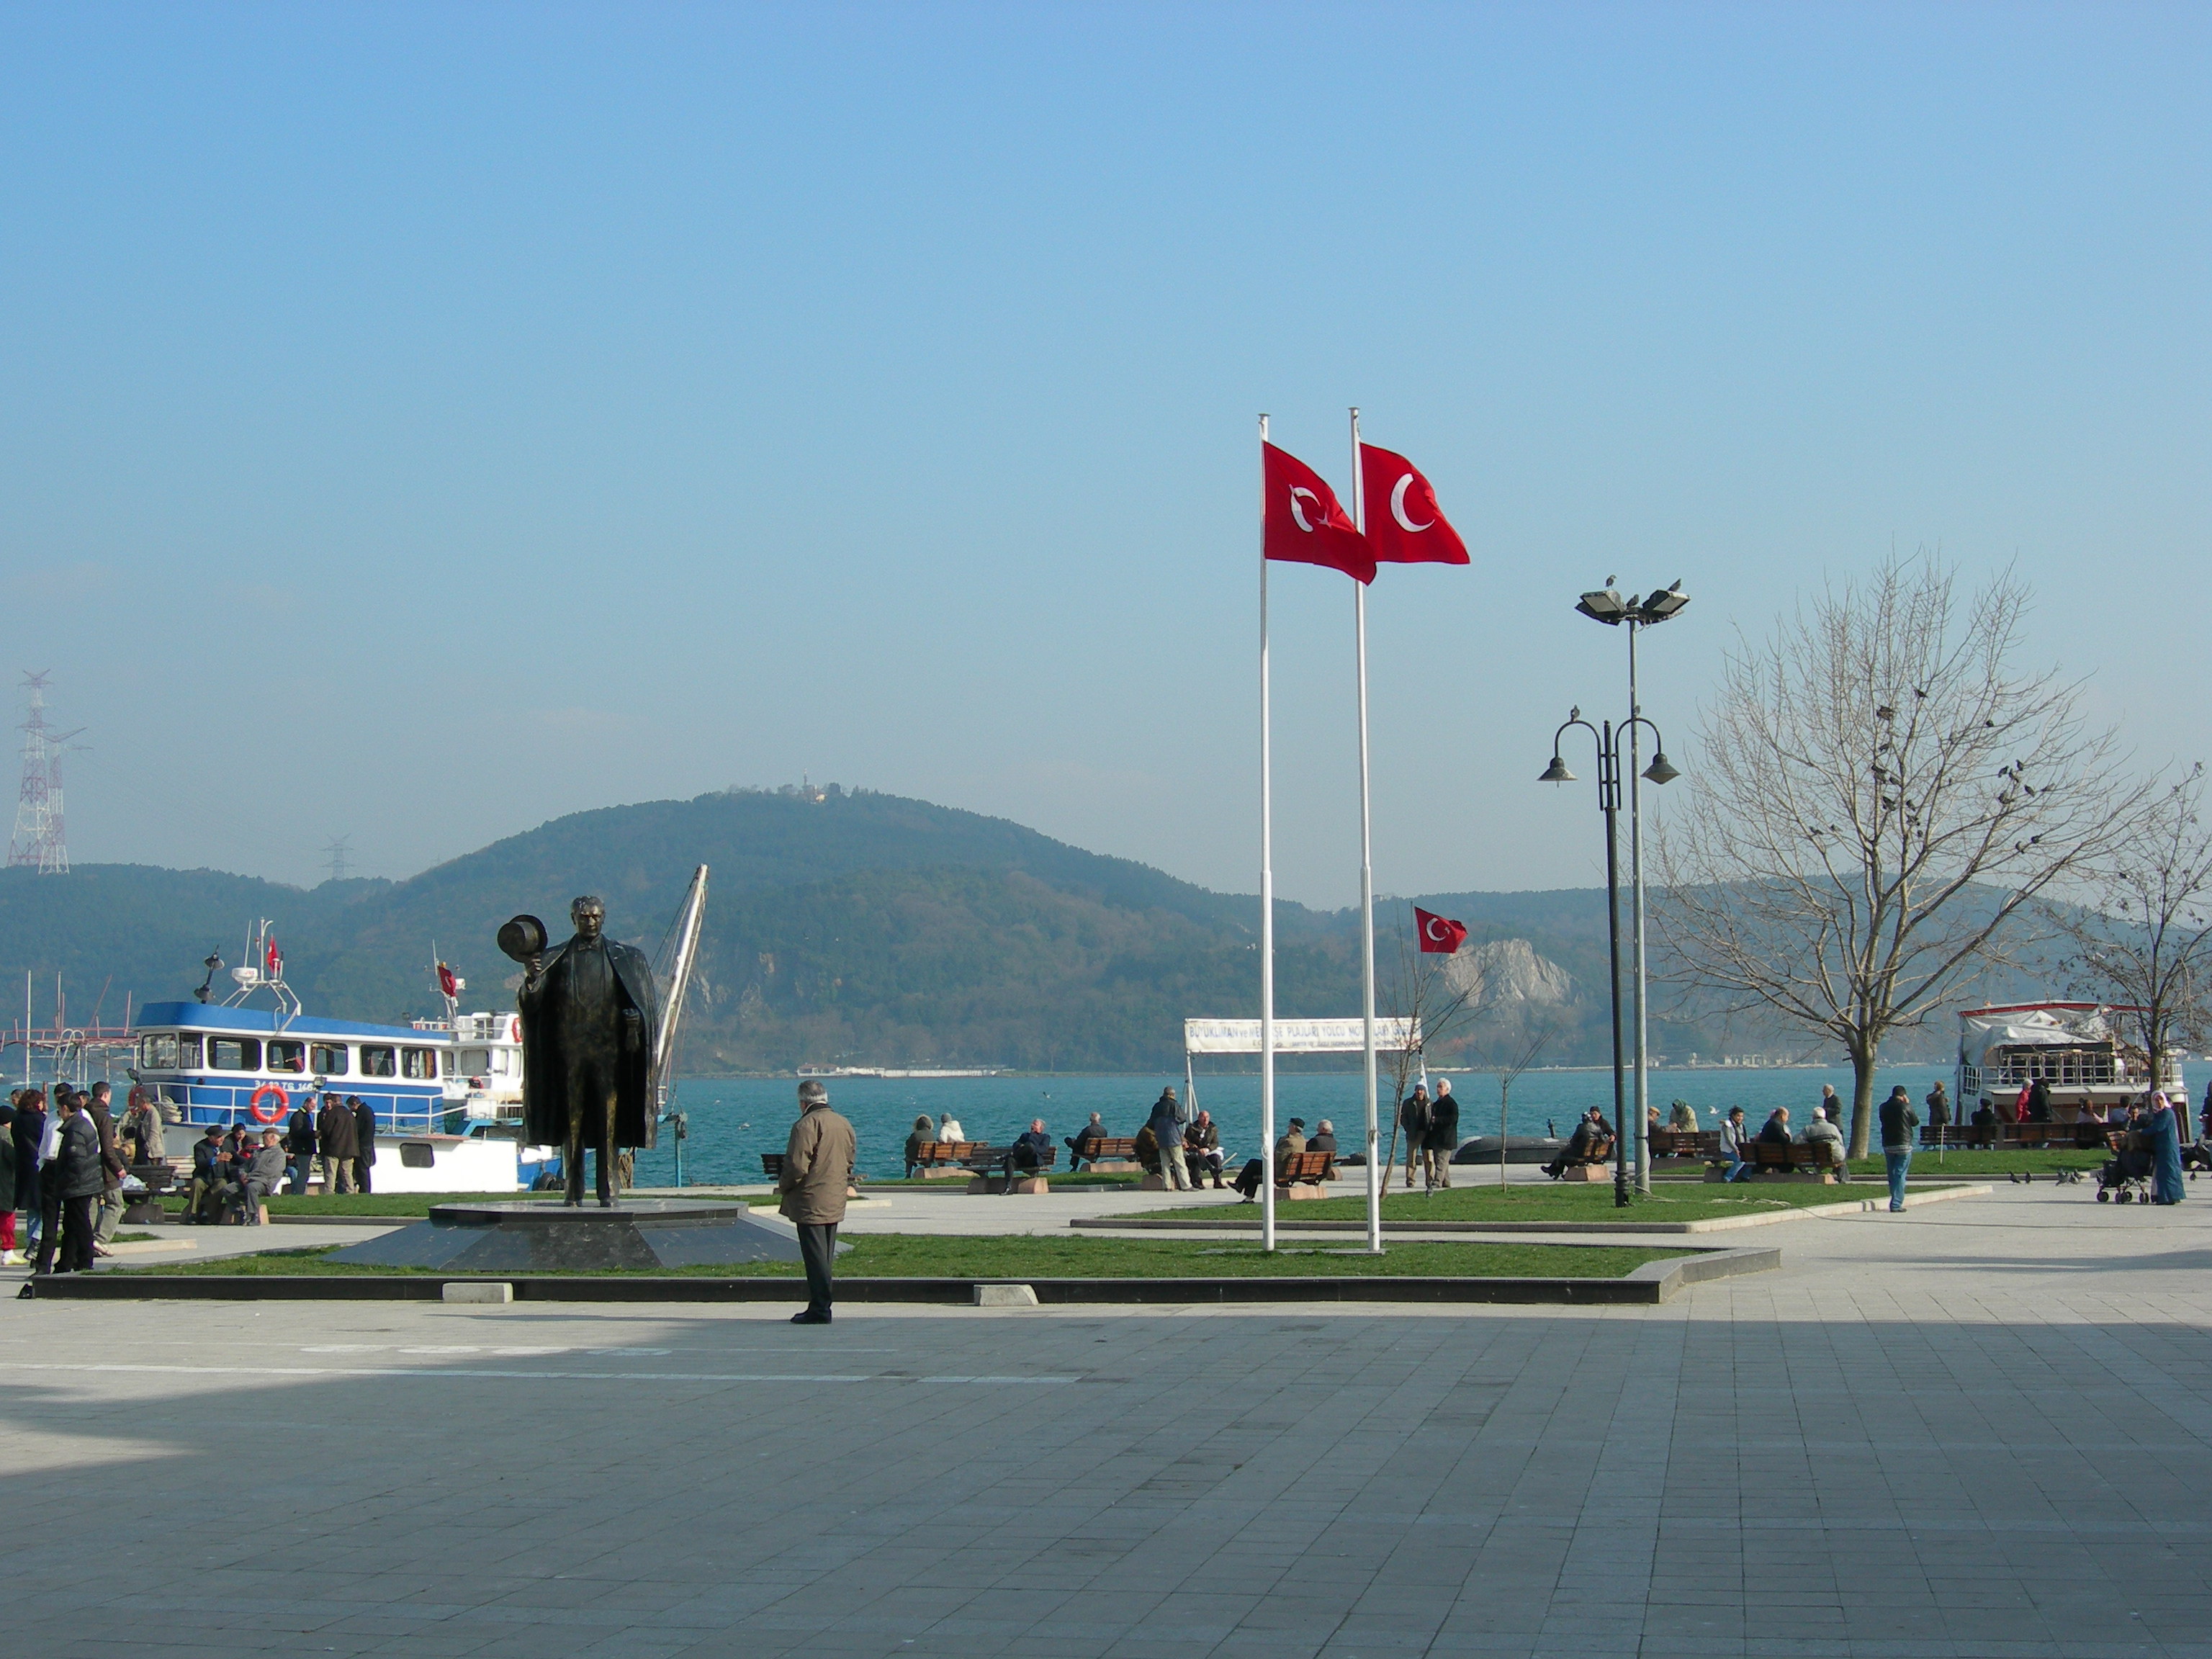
[158, 1053]
[328, 1059]
[285, 1056]
[378, 1061]
[474, 1062]
[234, 1053]
[188, 1051]
[418, 1063]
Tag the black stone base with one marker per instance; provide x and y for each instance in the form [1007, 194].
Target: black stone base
[644, 1234]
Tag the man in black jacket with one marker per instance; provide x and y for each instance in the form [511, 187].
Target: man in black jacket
[334, 1135]
[1592, 1138]
[300, 1146]
[80, 1176]
[1442, 1140]
[100, 1108]
[207, 1175]
[364, 1141]
[1412, 1129]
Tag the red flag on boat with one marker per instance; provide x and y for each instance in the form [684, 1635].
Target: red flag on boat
[275, 961]
[1440, 935]
[447, 984]
[1305, 524]
[1404, 524]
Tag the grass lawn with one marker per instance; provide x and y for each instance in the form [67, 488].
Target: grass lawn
[1683, 1200]
[911, 1255]
[1979, 1164]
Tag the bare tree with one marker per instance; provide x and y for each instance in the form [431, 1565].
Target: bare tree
[1420, 989]
[2143, 936]
[1880, 798]
[1508, 1059]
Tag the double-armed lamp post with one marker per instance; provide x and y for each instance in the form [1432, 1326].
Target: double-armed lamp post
[1607, 606]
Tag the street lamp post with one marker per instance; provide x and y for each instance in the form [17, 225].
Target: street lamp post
[1607, 738]
[1607, 606]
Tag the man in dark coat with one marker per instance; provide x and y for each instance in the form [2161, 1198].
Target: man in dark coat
[1442, 1140]
[79, 1178]
[364, 1141]
[101, 1108]
[334, 1135]
[1166, 1125]
[28, 1129]
[1412, 1130]
[300, 1146]
[590, 1016]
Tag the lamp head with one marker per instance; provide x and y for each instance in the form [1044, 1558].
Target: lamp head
[1663, 603]
[1660, 771]
[1557, 772]
[1605, 605]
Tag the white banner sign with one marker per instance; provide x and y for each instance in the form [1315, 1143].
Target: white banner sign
[1297, 1036]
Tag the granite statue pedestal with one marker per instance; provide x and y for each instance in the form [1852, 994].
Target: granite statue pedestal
[645, 1234]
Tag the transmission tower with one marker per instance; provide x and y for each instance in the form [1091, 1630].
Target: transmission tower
[336, 857]
[40, 841]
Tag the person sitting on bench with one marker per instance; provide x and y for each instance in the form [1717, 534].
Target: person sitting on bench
[1822, 1132]
[256, 1177]
[1201, 1150]
[1030, 1152]
[1292, 1143]
[207, 1176]
[1591, 1140]
[1323, 1139]
[925, 1131]
[1081, 1145]
[1985, 1126]
[1732, 1137]
[1776, 1131]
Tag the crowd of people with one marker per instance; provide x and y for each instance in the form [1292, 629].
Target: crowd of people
[65, 1160]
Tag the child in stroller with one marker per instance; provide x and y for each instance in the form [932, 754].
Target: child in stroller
[2127, 1175]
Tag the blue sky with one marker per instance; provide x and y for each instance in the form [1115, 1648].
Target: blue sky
[418, 421]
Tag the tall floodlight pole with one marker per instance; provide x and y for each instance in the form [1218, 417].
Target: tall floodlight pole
[1267, 895]
[1366, 873]
[1608, 607]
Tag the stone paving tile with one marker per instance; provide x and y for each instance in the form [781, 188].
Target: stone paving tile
[1829, 1460]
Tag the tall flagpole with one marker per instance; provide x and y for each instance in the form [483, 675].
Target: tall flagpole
[1366, 870]
[1266, 896]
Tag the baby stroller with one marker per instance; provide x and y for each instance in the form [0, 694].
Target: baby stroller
[2127, 1175]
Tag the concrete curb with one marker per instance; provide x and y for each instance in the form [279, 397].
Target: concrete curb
[1291, 1222]
[1652, 1283]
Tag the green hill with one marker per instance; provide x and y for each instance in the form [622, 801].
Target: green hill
[853, 926]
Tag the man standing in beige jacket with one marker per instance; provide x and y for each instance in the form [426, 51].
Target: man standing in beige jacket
[818, 1172]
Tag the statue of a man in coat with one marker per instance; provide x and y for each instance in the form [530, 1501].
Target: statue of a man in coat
[590, 1017]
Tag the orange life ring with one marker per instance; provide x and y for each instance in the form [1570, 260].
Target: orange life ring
[516, 1027]
[284, 1104]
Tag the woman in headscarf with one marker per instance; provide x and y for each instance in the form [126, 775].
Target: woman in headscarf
[2160, 1128]
[923, 1132]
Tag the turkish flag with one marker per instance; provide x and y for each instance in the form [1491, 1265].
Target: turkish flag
[448, 983]
[1305, 523]
[1404, 524]
[1439, 934]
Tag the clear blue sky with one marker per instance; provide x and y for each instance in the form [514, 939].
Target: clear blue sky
[418, 421]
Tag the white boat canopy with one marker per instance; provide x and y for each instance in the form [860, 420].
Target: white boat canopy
[1983, 1031]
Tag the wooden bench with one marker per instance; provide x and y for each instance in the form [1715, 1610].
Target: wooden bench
[1300, 1176]
[1686, 1144]
[772, 1165]
[1798, 1161]
[1110, 1153]
[996, 1174]
[951, 1160]
[1594, 1165]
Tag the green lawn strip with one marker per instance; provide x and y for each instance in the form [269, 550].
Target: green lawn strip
[1670, 1201]
[909, 1255]
[1925, 1166]
[1063, 1178]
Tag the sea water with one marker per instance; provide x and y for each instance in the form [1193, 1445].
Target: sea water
[733, 1121]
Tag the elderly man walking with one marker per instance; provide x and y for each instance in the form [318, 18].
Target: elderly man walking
[817, 1171]
[334, 1135]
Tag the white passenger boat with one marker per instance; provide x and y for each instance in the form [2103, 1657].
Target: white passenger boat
[2075, 1048]
[230, 1062]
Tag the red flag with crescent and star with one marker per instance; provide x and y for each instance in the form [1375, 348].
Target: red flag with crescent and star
[449, 984]
[1404, 524]
[1440, 935]
[1304, 523]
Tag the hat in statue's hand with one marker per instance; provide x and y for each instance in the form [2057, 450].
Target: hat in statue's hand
[522, 938]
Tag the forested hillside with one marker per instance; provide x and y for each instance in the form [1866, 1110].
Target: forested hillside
[852, 927]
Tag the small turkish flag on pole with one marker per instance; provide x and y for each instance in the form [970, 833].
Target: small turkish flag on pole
[1440, 935]
[1304, 523]
[1409, 529]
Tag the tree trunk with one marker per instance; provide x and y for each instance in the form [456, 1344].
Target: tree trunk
[1862, 1061]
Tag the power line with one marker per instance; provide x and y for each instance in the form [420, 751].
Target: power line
[40, 841]
[337, 857]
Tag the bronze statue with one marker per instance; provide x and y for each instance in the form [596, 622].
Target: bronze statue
[590, 1017]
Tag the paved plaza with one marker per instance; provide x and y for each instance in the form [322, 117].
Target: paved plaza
[1978, 1429]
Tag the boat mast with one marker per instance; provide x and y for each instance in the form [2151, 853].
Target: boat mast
[679, 974]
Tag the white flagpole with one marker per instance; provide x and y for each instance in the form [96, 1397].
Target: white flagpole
[1366, 870]
[1266, 898]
